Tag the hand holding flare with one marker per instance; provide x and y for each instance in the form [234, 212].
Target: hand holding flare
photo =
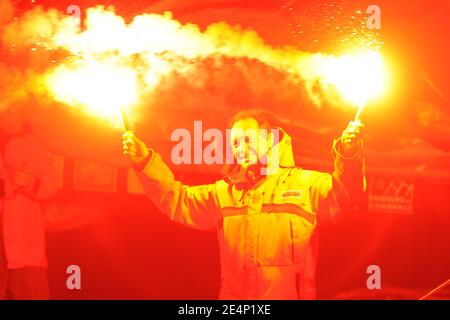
[134, 148]
[351, 137]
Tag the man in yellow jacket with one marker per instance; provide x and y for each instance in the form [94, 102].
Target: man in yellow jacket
[265, 222]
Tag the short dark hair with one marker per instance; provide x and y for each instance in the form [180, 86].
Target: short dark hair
[264, 119]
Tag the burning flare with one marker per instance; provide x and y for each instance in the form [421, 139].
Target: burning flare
[358, 77]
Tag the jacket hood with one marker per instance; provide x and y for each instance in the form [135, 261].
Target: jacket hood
[284, 150]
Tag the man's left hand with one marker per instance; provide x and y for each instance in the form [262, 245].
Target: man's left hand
[351, 138]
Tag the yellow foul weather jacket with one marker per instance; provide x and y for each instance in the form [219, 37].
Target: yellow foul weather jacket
[266, 233]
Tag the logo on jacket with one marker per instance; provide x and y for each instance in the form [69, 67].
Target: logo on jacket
[292, 194]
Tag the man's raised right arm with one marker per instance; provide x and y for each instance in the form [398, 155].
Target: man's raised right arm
[194, 206]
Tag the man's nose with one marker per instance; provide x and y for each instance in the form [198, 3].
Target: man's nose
[243, 147]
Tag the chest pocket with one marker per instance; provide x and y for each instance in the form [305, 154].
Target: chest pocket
[285, 228]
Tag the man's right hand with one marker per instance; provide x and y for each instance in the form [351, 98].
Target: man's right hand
[134, 148]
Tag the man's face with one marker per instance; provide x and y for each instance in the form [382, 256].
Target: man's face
[249, 143]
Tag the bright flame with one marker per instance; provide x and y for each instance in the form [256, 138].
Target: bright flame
[357, 77]
[102, 87]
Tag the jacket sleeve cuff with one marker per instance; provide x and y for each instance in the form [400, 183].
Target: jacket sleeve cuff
[146, 162]
[338, 150]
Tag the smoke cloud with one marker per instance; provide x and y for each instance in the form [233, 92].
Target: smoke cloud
[111, 63]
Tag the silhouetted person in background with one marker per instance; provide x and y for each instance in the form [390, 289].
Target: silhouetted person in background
[28, 176]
